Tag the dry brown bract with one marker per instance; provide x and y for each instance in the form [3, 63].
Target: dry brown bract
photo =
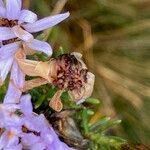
[67, 72]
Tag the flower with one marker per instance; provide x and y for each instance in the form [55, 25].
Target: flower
[23, 129]
[16, 26]
[67, 72]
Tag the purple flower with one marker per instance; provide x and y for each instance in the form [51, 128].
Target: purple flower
[7, 116]
[16, 26]
[22, 128]
[17, 23]
[9, 139]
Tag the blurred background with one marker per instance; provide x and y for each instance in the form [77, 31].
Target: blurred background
[114, 38]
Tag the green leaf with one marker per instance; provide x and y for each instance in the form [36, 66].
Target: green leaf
[110, 124]
[90, 112]
[104, 124]
[51, 92]
[85, 120]
[39, 102]
[104, 147]
[60, 51]
[117, 139]
[112, 141]
[100, 123]
[92, 101]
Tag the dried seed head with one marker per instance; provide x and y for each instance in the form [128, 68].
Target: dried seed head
[70, 73]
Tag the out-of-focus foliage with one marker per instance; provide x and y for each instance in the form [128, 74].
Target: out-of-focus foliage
[113, 36]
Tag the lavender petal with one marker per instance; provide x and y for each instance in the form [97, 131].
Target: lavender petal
[2, 12]
[3, 140]
[17, 76]
[16, 147]
[1, 3]
[45, 23]
[16, 84]
[9, 107]
[12, 121]
[6, 33]
[9, 50]
[40, 46]
[13, 9]
[8, 117]
[22, 34]
[31, 124]
[27, 16]
[38, 146]
[8, 141]
[12, 141]
[26, 105]
[5, 66]
[13, 94]
[29, 139]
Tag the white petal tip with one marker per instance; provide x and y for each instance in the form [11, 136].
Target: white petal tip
[50, 53]
[80, 101]
[40, 46]
[67, 14]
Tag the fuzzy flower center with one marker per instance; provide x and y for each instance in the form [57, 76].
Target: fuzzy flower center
[4, 22]
[70, 73]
